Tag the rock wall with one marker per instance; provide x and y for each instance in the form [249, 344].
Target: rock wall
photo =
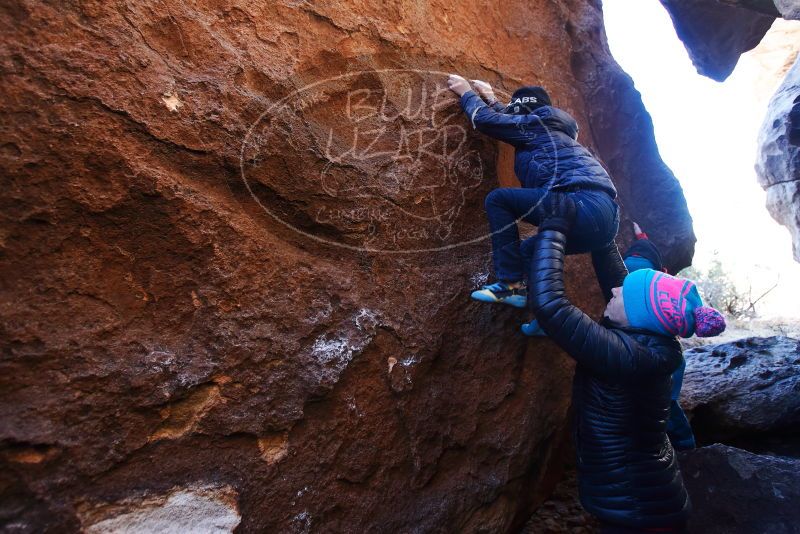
[778, 161]
[736, 492]
[236, 250]
[789, 9]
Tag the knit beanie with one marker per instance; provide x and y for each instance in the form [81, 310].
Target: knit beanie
[643, 254]
[526, 99]
[668, 305]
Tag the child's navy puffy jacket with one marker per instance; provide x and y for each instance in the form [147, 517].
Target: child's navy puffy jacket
[547, 153]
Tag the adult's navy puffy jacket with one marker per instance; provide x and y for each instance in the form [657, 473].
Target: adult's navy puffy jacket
[547, 153]
[627, 470]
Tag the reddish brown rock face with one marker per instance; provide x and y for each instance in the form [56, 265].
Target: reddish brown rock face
[222, 281]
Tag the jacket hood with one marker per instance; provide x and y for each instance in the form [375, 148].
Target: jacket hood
[558, 119]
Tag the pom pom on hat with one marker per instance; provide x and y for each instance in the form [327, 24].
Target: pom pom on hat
[708, 322]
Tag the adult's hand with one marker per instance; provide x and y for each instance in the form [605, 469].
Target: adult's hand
[458, 84]
[485, 90]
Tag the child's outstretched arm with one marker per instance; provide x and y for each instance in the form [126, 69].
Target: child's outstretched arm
[513, 129]
[487, 93]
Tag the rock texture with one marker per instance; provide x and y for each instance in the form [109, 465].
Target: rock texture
[237, 244]
[737, 492]
[562, 513]
[778, 162]
[789, 9]
[716, 33]
[183, 510]
[748, 386]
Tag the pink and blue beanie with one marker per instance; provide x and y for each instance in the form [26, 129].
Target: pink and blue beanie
[668, 305]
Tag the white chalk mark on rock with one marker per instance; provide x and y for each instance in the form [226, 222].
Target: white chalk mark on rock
[303, 521]
[188, 510]
[366, 319]
[409, 361]
[333, 351]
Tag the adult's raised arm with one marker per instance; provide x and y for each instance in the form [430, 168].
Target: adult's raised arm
[607, 353]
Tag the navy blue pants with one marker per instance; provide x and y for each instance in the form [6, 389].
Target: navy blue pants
[678, 428]
[596, 225]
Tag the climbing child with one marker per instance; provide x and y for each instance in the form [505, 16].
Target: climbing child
[628, 474]
[547, 159]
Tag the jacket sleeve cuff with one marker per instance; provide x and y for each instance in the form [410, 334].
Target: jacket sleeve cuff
[497, 106]
[470, 100]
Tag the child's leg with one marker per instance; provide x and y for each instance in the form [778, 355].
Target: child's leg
[678, 428]
[504, 207]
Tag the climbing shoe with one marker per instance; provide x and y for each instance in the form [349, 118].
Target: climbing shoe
[501, 292]
[532, 329]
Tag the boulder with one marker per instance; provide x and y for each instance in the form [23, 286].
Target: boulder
[748, 386]
[737, 492]
[237, 246]
[716, 33]
[789, 9]
[778, 160]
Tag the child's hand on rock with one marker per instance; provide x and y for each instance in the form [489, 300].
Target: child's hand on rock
[485, 90]
[458, 84]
